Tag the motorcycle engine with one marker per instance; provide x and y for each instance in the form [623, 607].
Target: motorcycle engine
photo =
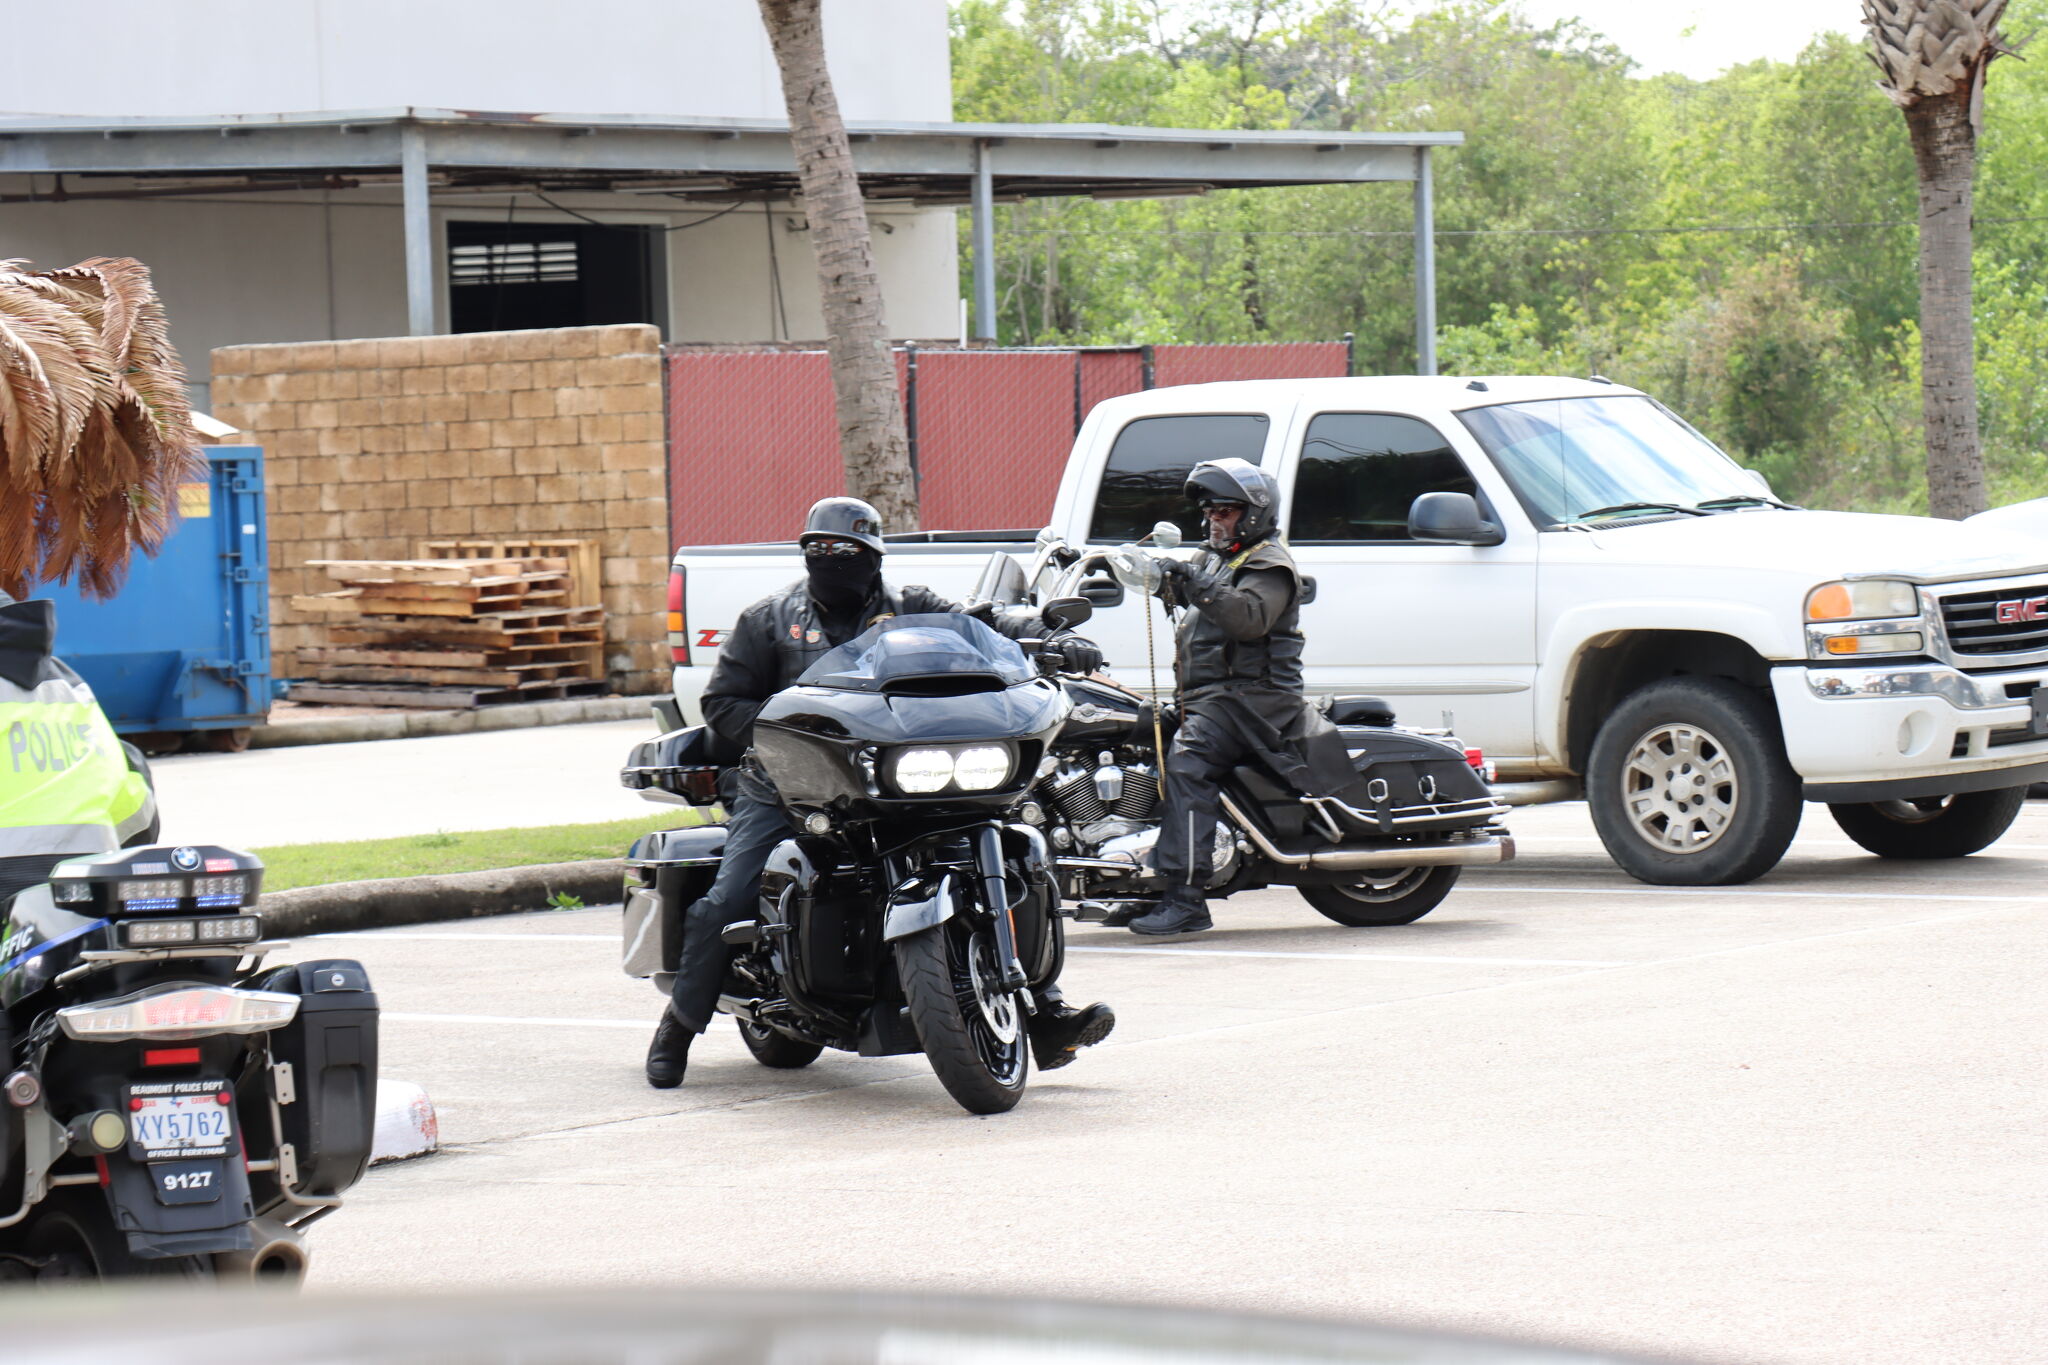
[1109, 808]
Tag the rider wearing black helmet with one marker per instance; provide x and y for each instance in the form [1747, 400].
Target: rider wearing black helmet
[841, 594]
[1238, 680]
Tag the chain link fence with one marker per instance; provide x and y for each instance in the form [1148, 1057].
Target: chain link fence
[753, 439]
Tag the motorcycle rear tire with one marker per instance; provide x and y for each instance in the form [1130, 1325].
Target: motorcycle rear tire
[777, 1049]
[75, 1231]
[1405, 902]
[984, 1074]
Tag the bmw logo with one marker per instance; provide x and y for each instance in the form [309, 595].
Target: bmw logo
[185, 859]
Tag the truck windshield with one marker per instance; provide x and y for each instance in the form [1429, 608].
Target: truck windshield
[1591, 459]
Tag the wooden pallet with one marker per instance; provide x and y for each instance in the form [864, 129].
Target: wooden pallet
[451, 632]
[437, 698]
[585, 559]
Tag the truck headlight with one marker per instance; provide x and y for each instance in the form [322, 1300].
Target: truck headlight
[1866, 600]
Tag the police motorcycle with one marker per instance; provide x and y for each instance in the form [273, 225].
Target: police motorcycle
[171, 1107]
[1383, 851]
[917, 907]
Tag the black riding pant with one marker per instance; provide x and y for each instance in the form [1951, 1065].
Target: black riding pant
[752, 830]
[1205, 749]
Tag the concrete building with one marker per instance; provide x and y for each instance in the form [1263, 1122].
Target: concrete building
[325, 258]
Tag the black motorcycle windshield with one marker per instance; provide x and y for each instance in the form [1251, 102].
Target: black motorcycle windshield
[921, 646]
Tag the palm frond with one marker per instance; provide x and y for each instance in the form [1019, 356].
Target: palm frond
[95, 429]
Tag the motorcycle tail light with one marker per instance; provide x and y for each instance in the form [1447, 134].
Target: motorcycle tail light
[177, 1012]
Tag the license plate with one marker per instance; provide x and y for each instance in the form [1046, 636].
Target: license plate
[180, 1118]
[186, 1182]
[2038, 721]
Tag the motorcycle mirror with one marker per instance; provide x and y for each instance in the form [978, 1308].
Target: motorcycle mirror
[1064, 613]
[1165, 535]
[1046, 536]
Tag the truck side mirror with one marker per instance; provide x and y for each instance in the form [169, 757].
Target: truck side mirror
[1451, 519]
[1064, 613]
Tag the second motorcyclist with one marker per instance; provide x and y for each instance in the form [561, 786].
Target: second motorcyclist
[841, 594]
[1238, 681]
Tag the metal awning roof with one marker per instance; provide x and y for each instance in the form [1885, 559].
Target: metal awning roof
[715, 160]
[708, 160]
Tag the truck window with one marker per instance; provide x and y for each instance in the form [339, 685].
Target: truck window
[1361, 471]
[1150, 461]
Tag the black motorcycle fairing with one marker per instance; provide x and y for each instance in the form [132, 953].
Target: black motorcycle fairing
[829, 951]
[43, 941]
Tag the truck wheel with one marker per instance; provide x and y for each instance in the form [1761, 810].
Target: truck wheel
[1689, 784]
[1933, 827]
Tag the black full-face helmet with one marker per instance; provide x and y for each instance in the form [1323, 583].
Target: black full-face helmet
[1241, 482]
[844, 519]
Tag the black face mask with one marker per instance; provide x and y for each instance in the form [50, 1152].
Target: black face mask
[843, 584]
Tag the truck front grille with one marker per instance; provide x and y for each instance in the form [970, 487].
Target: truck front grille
[1974, 627]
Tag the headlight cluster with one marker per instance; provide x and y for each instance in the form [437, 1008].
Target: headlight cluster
[1882, 605]
[926, 772]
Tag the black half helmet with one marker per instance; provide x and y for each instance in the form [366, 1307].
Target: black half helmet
[1242, 482]
[844, 519]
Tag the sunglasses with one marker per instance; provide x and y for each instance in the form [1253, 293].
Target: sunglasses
[835, 549]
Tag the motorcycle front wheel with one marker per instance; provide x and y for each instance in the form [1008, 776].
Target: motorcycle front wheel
[1396, 896]
[971, 1029]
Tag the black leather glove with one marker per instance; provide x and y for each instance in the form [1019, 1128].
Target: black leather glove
[984, 612]
[1174, 577]
[1078, 655]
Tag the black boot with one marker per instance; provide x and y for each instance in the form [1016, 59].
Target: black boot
[1181, 911]
[669, 1054]
[1058, 1031]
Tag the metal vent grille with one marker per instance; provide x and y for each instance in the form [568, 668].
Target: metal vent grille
[1974, 626]
[512, 263]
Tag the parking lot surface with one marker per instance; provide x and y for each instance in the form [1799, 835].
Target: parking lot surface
[1801, 1120]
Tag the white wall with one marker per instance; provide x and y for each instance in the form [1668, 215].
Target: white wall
[291, 268]
[704, 58]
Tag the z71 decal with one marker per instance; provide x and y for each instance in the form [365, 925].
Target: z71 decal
[711, 639]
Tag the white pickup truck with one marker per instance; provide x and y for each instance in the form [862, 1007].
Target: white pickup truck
[1597, 596]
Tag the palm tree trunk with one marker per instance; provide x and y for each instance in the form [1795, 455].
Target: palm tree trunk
[872, 442]
[1945, 151]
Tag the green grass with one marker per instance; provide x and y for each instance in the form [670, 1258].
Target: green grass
[420, 855]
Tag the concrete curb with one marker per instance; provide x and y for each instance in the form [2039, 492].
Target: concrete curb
[344, 907]
[413, 724]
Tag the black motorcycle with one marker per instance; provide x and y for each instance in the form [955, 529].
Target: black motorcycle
[171, 1107]
[916, 909]
[1384, 850]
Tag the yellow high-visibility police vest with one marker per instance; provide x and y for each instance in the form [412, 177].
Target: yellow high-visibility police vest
[65, 783]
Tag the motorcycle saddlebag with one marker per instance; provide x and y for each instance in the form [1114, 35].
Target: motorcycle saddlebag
[332, 1047]
[665, 871]
[1408, 784]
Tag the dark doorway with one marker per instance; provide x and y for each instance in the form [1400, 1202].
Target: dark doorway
[510, 277]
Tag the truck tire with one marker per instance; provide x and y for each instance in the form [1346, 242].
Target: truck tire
[1937, 827]
[1689, 785]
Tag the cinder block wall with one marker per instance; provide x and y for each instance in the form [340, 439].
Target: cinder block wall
[371, 446]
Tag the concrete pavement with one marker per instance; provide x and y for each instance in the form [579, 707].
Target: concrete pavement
[566, 774]
[1796, 1121]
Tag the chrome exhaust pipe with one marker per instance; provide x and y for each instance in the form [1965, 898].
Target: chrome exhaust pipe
[278, 1256]
[1492, 848]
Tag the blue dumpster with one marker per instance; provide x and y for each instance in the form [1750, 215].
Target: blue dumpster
[185, 644]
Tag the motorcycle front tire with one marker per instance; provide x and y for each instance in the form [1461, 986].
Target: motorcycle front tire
[1401, 896]
[951, 1008]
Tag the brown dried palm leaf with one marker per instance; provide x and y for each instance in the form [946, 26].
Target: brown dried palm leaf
[95, 429]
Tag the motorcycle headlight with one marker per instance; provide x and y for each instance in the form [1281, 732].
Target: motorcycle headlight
[920, 772]
[981, 769]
